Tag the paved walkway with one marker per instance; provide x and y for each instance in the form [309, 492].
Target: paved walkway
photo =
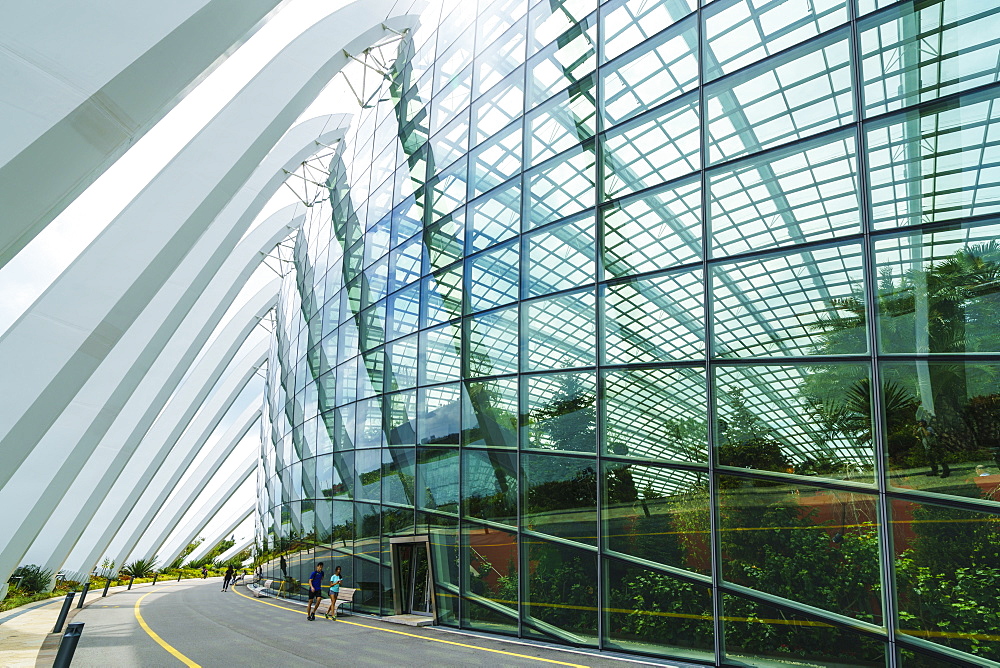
[192, 623]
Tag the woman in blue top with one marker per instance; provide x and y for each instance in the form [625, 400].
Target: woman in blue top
[335, 580]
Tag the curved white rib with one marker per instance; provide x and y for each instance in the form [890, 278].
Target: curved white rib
[146, 541]
[237, 477]
[66, 119]
[83, 315]
[236, 549]
[120, 373]
[207, 546]
[156, 451]
[66, 519]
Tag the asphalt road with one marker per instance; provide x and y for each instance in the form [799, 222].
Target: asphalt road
[199, 625]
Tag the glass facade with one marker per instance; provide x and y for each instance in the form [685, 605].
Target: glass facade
[671, 328]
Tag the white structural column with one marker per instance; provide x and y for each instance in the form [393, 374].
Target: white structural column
[151, 538]
[236, 549]
[206, 547]
[119, 380]
[67, 118]
[173, 447]
[102, 465]
[204, 515]
[81, 318]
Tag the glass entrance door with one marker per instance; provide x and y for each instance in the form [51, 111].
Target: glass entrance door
[414, 587]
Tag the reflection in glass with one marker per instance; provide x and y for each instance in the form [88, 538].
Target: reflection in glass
[808, 544]
[651, 612]
[656, 414]
[942, 424]
[947, 560]
[560, 496]
[657, 514]
[561, 590]
[490, 579]
[561, 412]
[766, 635]
[807, 419]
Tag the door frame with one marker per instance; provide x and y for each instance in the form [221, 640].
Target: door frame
[397, 603]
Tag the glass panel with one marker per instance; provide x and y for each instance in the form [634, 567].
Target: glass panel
[401, 418]
[626, 23]
[805, 303]
[920, 51]
[493, 278]
[936, 163]
[807, 544]
[437, 479]
[495, 217]
[498, 108]
[942, 425]
[561, 332]
[560, 496]
[444, 549]
[490, 582]
[368, 469]
[655, 319]
[765, 635]
[496, 160]
[490, 485]
[567, 119]
[369, 434]
[451, 143]
[402, 358]
[443, 296]
[657, 514]
[490, 413]
[652, 149]
[500, 55]
[560, 412]
[561, 187]
[658, 70]
[946, 569]
[793, 96]
[938, 291]
[807, 419]
[561, 257]
[445, 240]
[790, 196]
[656, 414]
[493, 343]
[403, 312]
[397, 475]
[568, 61]
[741, 32]
[655, 230]
[440, 351]
[439, 414]
[654, 613]
[560, 591]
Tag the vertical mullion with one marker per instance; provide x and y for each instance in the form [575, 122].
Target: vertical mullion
[713, 486]
[885, 539]
[598, 310]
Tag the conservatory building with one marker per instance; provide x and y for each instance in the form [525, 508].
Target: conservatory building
[666, 328]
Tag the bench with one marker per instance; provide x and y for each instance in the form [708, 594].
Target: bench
[346, 595]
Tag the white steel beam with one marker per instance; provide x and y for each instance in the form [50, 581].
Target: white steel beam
[207, 546]
[67, 118]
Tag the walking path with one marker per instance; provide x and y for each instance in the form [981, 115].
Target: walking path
[193, 623]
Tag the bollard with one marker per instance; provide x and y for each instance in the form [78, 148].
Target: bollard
[65, 611]
[131, 580]
[83, 594]
[179, 577]
[107, 584]
[68, 645]
[155, 575]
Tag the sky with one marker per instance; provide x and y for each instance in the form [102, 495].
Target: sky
[26, 277]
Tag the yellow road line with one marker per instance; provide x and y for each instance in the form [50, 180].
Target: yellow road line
[163, 643]
[413, 635]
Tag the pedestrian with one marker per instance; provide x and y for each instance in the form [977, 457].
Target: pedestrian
[335, 581]
[227, 578]
[315, 592]
[204, 572]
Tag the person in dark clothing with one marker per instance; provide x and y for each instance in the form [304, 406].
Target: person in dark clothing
[227, 579]
[315, 592]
